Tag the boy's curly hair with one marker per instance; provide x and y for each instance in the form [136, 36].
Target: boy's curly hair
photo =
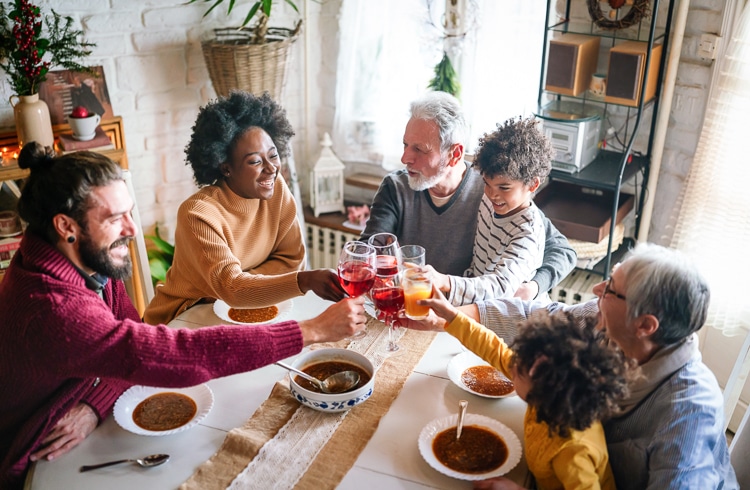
[580, 377]
[517, 150]
[221, 123]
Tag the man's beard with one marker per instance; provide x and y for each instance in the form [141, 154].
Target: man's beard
[422, 183]
[99, 259]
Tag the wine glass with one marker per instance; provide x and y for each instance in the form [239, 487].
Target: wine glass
[356, 269]
[388, 297]
[413, 254]
[388, 253]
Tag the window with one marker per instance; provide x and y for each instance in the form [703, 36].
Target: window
[388, 50]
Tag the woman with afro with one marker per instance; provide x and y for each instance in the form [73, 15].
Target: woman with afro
[570, 378]
[238, 238]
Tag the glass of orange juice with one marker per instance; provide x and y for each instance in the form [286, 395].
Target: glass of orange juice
[417, 284]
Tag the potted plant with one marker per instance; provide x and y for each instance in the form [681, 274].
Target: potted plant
[254, 59]
[159, 258]
[29, 44]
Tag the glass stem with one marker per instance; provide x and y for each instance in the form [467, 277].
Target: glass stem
[391, 343]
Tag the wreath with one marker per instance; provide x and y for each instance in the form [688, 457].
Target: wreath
[638, 10]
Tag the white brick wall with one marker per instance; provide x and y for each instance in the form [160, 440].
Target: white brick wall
[157, 81]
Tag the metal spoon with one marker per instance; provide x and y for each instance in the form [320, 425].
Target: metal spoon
[462, 404]
[147, 462]
[338, 383]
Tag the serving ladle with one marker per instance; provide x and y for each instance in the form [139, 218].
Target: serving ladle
[337, 383]
[147, 462]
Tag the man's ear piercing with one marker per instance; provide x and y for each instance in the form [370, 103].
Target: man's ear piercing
[71, 239]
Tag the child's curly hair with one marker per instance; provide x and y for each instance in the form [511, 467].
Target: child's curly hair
[517, 150]
[579, 377]
[220, 124]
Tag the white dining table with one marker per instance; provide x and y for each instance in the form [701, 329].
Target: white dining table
[391, 458]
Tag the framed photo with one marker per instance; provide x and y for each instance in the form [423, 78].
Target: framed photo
[65, 89]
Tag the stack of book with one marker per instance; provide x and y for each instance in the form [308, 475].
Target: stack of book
[99, 142]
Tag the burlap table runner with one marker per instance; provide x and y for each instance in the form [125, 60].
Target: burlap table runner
[339, 454]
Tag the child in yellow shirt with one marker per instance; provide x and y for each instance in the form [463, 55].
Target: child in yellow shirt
[570, 379]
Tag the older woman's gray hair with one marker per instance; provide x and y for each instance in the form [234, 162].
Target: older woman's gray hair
[666, 284]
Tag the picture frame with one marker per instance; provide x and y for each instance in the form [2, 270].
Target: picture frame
[65, 89]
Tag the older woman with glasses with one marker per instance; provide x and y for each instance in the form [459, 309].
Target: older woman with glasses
[670, 430]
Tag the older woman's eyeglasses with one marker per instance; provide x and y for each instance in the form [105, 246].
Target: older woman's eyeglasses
[608, 290]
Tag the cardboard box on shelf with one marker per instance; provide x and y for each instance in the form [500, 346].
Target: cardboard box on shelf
[580, 212]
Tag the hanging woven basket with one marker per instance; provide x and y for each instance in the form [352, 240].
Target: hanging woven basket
[234, 63]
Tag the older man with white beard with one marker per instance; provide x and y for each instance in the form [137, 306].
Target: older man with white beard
[434, 201]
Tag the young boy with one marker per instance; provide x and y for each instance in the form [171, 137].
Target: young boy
[509, 243]
[569, 377]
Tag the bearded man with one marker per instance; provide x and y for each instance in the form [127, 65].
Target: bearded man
[434, 201]
[72, 341]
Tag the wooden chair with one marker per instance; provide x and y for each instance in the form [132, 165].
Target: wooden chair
[140, 288]
[739, 449]
[739, 452]
[736, 381]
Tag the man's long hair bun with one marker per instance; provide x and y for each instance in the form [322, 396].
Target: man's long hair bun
[35, 155]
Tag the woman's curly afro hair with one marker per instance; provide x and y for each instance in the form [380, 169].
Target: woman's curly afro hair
[580, 377]
[221, 123]
[517, 150]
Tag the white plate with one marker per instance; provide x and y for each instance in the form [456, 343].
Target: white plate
[222, 311]
[123, 411]
[461, 363]
[432, 429]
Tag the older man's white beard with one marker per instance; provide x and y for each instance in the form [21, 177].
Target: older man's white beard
[421, 183]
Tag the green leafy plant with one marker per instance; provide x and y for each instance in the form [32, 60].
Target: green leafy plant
[446, 79]
[261, 8]
[31, 43]
[160, 258]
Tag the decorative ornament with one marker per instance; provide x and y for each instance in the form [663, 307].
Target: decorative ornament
[446, 78]
[327, 181]
[638, 11]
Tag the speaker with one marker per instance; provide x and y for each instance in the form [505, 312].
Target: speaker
[571, 62]
[627, 64]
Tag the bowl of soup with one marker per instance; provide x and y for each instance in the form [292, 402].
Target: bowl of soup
[322, 363]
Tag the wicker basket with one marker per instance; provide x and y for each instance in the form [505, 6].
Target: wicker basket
[588, 250]
[234, 63]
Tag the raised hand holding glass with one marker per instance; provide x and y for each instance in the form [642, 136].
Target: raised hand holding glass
[356, 270]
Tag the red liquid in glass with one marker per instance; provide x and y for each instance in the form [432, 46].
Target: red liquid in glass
[388, 300]
[356, 278]
[387, 265]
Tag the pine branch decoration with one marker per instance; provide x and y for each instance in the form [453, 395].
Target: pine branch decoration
[446, 79]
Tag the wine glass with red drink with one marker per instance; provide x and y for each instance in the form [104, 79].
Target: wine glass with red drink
[356, 269]
[388, 253]
[388, 297]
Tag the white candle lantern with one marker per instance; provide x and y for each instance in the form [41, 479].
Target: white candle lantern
[327, 181]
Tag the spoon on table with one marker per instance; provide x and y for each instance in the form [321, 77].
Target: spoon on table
[337, 383]
[147, 462]
[462, 404]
